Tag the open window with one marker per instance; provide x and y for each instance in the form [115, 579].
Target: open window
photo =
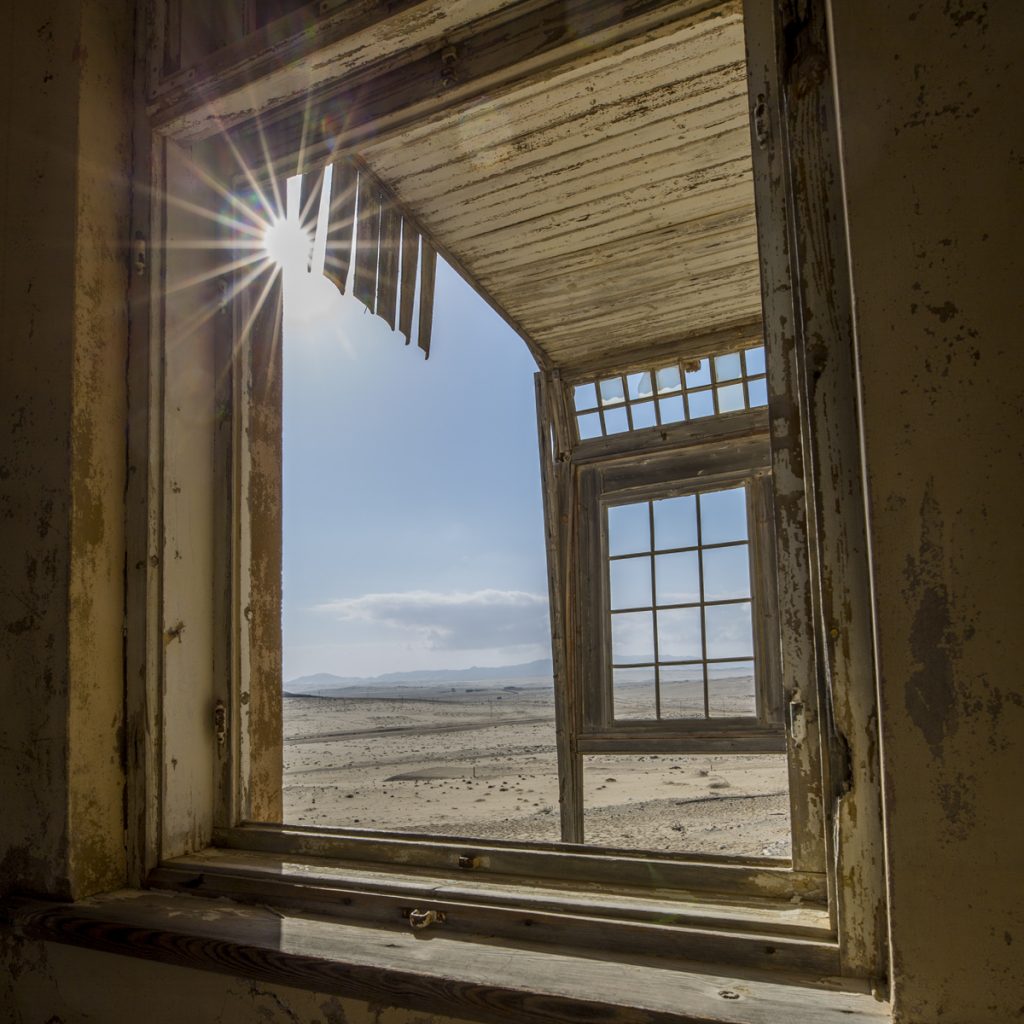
[517, 150]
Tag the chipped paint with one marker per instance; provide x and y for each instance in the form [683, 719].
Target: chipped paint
[931, 169]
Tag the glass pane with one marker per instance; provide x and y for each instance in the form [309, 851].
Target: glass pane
[754, 360]
[726, 573]
[639, 385]
[629, 529]
[730, 399]
[632, 637]
[611, 391]
[682, 691]
[672, 409]
[675, 522]
[643, 415]
[723, 515]
[678, 578]
[630, 582]
[728, 367]
[633, 693]
[672, 802]
[698, 372]
[679, 634]
[668, 380]
[701, 404]
[589, 425]
[585, 396]
[758, 392]
[615, 421]
[731, 690]
[729, 633]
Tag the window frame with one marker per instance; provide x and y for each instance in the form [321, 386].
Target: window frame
[602, 730]
[163, 821]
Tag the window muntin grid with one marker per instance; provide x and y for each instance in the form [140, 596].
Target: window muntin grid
[688, 390]
[680, 607]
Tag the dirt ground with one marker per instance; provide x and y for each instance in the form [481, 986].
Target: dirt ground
[480, 763]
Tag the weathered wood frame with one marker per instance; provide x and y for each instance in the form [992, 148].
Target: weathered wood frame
[577, 476]
[816, 463]
[602, 731]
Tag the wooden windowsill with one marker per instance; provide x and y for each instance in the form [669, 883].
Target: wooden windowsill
[490, 980]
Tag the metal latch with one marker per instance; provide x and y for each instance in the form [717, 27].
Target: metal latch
[419, 919]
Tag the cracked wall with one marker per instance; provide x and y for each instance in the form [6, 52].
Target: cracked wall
[933, 154]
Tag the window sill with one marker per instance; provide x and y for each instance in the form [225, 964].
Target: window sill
[489, 979]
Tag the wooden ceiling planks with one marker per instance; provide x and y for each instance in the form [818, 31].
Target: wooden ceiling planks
[604, 207]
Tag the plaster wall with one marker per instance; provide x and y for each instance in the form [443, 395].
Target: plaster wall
[63, 173]
[52, 984]
[933, 146]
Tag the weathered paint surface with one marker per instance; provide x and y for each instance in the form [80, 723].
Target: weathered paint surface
[45, 983]
[933, 146]
[605, 204]
[65, 154]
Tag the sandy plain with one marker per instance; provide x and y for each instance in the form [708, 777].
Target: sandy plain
[478, 761]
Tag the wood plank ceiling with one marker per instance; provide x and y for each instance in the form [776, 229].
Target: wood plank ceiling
[606, 206]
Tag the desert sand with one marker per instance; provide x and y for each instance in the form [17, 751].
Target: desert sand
[478, 761]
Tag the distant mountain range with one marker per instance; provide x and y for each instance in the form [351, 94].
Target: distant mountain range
[327, 681]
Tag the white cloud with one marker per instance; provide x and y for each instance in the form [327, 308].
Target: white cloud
[454, 621]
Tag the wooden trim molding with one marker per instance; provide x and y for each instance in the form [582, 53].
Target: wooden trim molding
[428, 970]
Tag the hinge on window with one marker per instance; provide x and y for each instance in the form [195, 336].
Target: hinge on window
[220, 724]
[420, 919]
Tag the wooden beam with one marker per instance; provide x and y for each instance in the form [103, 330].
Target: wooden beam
[490, 60]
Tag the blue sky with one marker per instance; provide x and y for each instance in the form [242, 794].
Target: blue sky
[413, 529]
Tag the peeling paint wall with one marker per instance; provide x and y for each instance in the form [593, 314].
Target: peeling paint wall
[933, 159]
[43, 983]
[64, 155]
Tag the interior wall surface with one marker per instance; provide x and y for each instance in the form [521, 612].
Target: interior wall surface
[933, 153]
[44, 983]
[64, 167]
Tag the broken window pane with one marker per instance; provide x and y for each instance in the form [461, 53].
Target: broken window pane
[612, 391]
[668, 380]
[639, 385]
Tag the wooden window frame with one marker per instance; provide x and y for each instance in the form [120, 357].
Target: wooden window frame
[671, 476]
[197, 650]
